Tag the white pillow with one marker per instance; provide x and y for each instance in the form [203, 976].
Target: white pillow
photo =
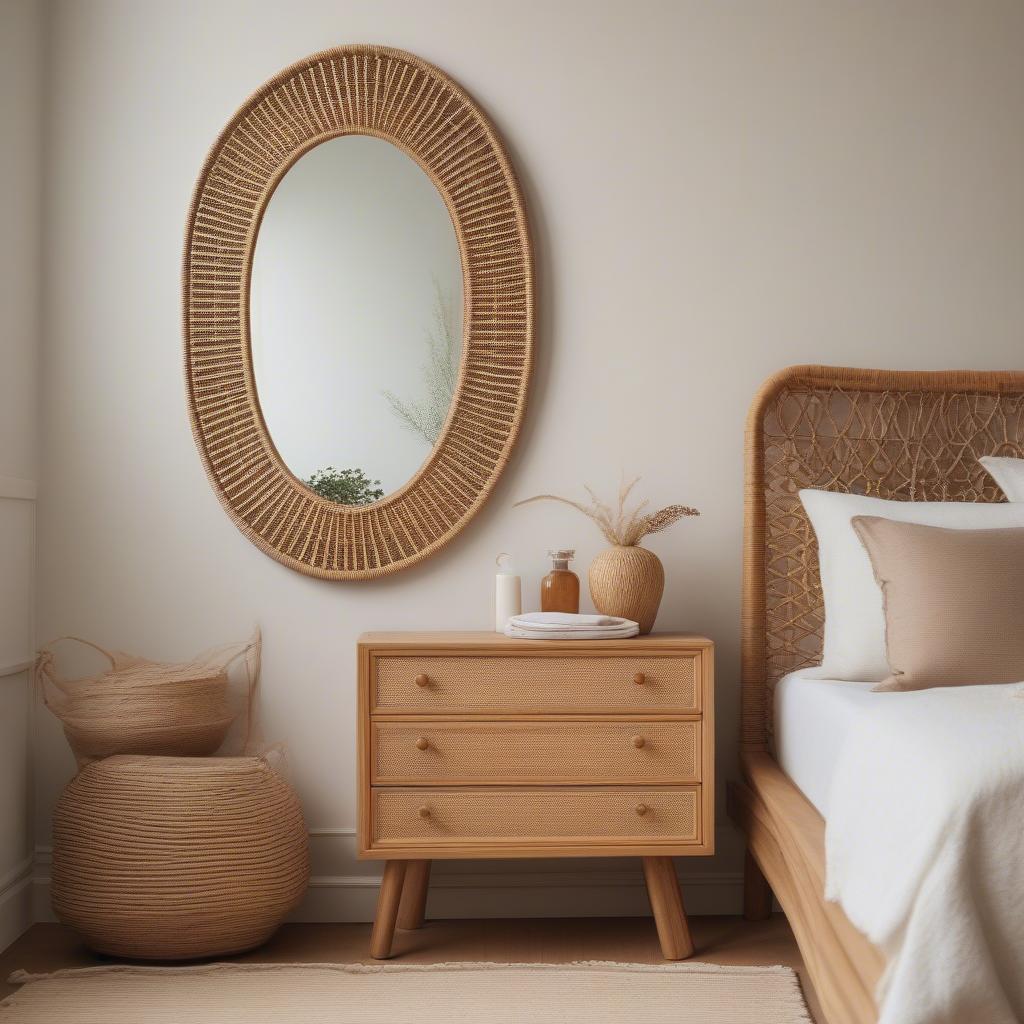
[854, 645]
[1008, 473]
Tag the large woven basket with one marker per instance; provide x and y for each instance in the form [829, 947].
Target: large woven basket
[166, 858]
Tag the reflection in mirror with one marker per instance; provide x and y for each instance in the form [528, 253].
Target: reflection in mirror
[356, 318]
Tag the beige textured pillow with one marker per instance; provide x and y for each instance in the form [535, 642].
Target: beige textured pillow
[954, 602]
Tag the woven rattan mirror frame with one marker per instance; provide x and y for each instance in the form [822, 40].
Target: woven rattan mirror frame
[368, 90]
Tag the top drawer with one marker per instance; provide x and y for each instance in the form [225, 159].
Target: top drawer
[535, 683]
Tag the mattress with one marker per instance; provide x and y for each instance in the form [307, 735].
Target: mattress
[812, 720]
[923, 794]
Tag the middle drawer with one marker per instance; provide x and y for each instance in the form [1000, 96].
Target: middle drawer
[454, 753]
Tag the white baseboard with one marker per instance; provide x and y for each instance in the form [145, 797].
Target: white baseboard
[479, 894]
[556, 894]
[16, 902]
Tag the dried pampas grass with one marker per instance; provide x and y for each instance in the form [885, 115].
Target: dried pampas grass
[621, 527]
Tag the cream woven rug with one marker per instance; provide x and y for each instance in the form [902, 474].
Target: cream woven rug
[590, 993]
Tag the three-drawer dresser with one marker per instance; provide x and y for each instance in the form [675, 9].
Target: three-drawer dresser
[473, 745]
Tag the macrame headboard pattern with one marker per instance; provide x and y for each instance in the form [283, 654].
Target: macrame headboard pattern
[907, 436]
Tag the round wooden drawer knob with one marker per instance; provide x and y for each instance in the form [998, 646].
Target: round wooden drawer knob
[641, 809]
[638, 742]
[424, 812]
[422, 743]
[422, 680]
[639, 679]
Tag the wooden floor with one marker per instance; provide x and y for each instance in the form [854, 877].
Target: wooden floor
[719, 940]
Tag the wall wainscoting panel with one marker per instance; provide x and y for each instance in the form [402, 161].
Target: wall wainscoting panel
[18, 489]
[17, 601]
[17, 902]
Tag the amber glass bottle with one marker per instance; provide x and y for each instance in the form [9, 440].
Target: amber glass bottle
[560, 589]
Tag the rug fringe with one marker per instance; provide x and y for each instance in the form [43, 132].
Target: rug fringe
[22, 977]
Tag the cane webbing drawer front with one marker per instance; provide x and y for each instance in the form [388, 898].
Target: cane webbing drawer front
[430, 752]
[445, 684]
[535, 816]
[476, 745]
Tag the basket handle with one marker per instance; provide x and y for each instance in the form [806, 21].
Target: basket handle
[253, 652]
[44, 667]
[88, 643]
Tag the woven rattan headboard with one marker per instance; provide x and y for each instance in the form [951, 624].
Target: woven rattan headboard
[909, 436]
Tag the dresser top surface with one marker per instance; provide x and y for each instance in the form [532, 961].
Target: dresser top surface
[491, 642]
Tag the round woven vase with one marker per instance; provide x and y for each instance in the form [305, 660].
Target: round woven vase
[168, 858]
[628, 582]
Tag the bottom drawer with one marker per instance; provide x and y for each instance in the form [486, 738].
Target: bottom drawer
[527, 816]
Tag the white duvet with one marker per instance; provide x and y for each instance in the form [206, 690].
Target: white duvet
[925, 850]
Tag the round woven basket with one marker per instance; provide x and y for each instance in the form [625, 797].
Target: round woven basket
[167, 858]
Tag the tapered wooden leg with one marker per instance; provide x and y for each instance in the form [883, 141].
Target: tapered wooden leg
[757, 894]
[414, 894]
[667, 904]
[387, 909]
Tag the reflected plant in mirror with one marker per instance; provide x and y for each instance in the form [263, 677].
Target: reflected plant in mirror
[426, 417]
[345, 486]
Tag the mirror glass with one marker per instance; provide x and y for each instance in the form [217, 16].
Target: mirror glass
[356, 318]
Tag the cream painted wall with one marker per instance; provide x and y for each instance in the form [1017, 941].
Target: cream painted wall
[717, 190]
[21, 28]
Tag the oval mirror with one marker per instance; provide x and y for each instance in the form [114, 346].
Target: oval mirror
[351, 215]
[355, 313]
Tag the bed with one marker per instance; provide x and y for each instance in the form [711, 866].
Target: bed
[913, 436]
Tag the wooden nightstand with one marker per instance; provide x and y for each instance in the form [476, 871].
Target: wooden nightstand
[472, 745]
